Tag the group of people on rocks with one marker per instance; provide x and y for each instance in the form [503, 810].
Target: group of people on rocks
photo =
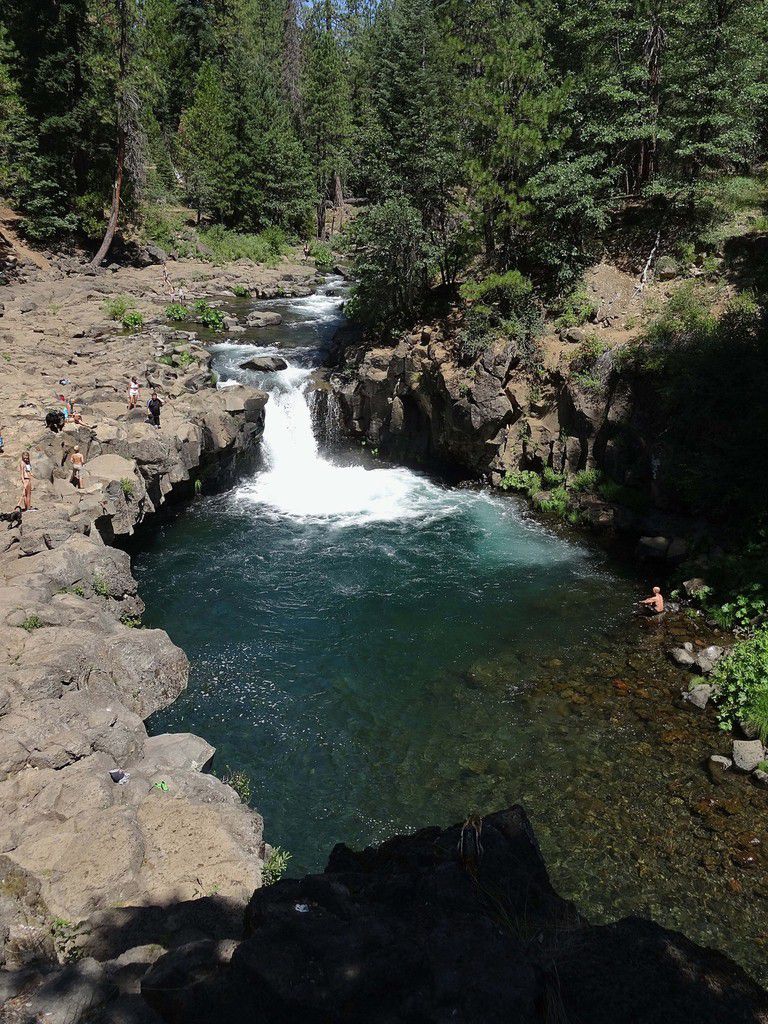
[56, 420]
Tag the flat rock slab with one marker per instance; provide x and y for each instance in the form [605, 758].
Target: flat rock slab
[179, 750]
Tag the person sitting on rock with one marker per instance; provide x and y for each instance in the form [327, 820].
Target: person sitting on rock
[154, 405]
[653, 605]
[78, 461]
[78, 420]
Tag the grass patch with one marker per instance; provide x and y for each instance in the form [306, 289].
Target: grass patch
[524, 481]
[127, 487]
[100, 586]
[575, 309]
[31, 623]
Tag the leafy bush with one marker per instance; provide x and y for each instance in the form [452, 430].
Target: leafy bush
[208, 316]
[133, 321]
[742, 609]
[176, 312]
[127, 487]
[584, 481]
[506, 291]
[240, 781]
[741, 684]
[166, 360]
[100, 586]
[185, 359]
[240, 291]
[275, 866]
[119, 307]
[553, 501]
[575, 309]
[31, 623]
[323, 257]
[525, 481]
[587, 354]
[550, 478]
[224, 246]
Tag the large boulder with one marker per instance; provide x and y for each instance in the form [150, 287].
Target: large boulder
[459, 924]
[267, 364]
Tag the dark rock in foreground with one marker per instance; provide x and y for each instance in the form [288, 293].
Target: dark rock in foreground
[406, 932]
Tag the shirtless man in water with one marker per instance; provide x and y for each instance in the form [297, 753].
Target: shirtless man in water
[653, 605]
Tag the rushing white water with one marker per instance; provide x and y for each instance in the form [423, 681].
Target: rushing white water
[300, 483]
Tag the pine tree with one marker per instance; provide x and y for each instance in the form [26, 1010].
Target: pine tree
[326, 112]
[207, 146]
[16, 145]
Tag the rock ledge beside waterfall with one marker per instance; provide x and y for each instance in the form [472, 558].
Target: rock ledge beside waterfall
[77, 680]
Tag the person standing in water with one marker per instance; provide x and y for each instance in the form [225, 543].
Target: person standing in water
[25, 471]
[653, 605]
[154, 405]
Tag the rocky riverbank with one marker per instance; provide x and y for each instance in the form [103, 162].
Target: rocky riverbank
[455, 924]
[78, 676]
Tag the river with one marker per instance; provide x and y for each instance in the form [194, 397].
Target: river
[378, 651]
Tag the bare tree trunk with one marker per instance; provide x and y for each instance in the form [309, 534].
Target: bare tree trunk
[338, 197]
[114, 215]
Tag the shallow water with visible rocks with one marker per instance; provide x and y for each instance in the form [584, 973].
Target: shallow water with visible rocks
[377, 651]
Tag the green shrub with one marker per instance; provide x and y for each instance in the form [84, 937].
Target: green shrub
[225, 246]
[185, 359]
[323, 256]
[525, 481]
[587, 354]
[214, 378]
[507, 291]
[741, 684]
[31, 623]
[240, 781]
[275, 866]
[166, 360]
[100, 586]
[119, 307]
[555, 501]
[208, 316]
[176, 312]
[620, 494]
[133, 321]
[742, 609]
[240, 291]
[585, 480]
[131, 621]
[575, 309]
[127, 487]
[550, 478]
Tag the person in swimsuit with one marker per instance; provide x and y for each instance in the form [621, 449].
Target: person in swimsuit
[653, 605]
[25, 470]
[133, 394]
[78, 461]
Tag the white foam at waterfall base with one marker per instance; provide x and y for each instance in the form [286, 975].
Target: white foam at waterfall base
[299, 483]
